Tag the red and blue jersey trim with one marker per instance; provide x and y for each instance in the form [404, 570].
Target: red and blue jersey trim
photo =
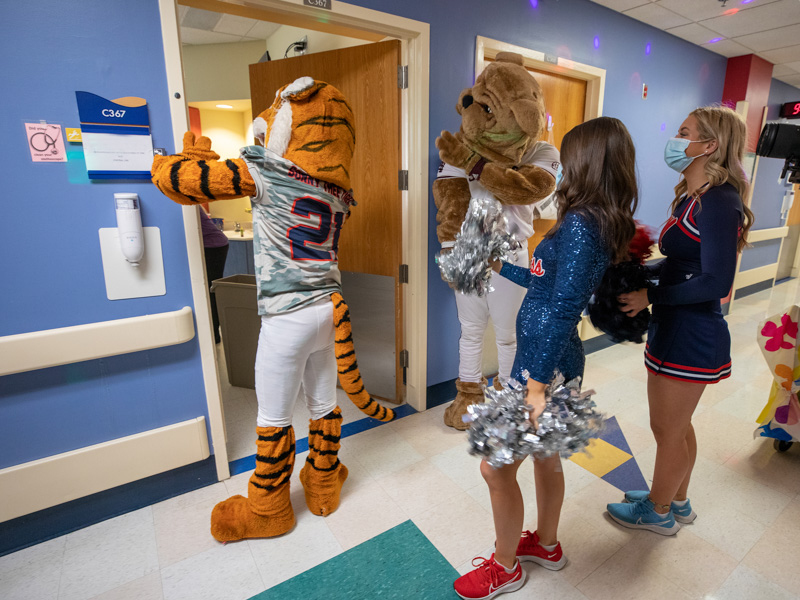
[685, 223]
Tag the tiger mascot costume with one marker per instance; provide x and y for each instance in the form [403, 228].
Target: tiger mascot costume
[299, 183]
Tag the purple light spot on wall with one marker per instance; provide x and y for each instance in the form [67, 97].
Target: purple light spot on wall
[534, 3]
[647, 49]
[715, 40]
[663, 127]
[596, 42]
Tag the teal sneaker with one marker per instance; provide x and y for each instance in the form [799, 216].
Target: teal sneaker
[683, 513]
[642, 515]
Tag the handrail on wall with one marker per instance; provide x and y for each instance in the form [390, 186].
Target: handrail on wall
[65, 345]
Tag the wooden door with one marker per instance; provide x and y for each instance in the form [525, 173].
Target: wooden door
[565, 104]
[371, 240]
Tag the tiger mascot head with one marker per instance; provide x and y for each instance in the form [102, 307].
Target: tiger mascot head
[311, 124]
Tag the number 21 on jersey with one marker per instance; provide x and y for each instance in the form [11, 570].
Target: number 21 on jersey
[310, 241]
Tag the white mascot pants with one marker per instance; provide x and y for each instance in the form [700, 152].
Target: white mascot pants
[296, 347]
[502, 305]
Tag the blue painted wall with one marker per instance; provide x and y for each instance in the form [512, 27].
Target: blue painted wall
[767, 191]
[679, 75]
[52, 268]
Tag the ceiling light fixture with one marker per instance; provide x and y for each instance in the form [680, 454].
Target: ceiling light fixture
[224, 106]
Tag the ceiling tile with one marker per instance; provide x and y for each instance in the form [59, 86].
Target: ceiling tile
[234, 25]
[696, 10]
[791, 80]
[792, 65]
[782, 55]
[697, 34]
[727, 48]
[621, 5]
[197, 18]
[781, 70]
[182, 10]
[262, 30]
[193, 36]
[654, 15]
[759, 18]
[771, 39]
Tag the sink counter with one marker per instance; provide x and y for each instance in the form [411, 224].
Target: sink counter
[235, 236]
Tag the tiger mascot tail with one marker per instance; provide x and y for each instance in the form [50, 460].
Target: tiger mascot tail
[349, 375]
[299, 179]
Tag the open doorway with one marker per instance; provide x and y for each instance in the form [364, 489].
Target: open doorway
[234, 399]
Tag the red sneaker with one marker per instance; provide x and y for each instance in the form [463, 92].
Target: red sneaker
[488, 580]
[531, 550]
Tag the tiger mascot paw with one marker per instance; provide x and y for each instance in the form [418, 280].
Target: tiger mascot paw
[323, 474]
[233, 520]
[267, 510]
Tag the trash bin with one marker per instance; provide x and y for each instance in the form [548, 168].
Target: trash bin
[240, 324]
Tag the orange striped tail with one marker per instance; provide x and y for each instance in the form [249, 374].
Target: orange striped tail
[347, 366]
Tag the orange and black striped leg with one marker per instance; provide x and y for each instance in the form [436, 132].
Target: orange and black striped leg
[323, 475]
[267, 510]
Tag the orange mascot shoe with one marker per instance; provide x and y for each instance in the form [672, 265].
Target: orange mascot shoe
[267, 510]
[323, 474]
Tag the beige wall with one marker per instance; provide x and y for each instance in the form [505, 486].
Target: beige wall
[219, 71]
[228, 131]
[318, 41]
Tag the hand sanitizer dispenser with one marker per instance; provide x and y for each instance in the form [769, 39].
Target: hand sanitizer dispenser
[129, 227]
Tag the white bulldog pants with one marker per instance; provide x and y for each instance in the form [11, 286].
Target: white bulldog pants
[502, 305]
[296, 347]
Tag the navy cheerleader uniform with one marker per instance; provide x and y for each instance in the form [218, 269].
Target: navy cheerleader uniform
[688, 338]
[565, 271]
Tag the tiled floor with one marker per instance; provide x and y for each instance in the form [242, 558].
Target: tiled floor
[742, 546]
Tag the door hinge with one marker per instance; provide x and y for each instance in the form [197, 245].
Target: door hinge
[402, 77]
[402, 180]
[403, 273]
[404, 359]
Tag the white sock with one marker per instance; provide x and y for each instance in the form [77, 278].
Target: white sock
[680, 502]
[549, 548]
[509, 571]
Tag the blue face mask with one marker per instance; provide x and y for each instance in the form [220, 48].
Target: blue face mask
[675, 154]
[559, 175]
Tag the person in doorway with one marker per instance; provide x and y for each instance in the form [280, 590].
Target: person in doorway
[688, 344]
[597, 198]
[215, 248]
[496, 154]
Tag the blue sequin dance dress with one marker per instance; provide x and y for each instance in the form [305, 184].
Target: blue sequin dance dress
[565, 270]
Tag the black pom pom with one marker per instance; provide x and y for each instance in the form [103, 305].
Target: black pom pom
[604, 308]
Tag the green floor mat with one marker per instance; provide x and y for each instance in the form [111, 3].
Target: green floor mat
[399, 564]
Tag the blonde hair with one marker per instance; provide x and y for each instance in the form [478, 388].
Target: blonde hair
[725, 163]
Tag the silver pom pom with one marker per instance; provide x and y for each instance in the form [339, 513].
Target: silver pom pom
[501, 431]
[483, 239]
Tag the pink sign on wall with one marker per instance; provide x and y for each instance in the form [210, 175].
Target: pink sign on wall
[46, 142]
